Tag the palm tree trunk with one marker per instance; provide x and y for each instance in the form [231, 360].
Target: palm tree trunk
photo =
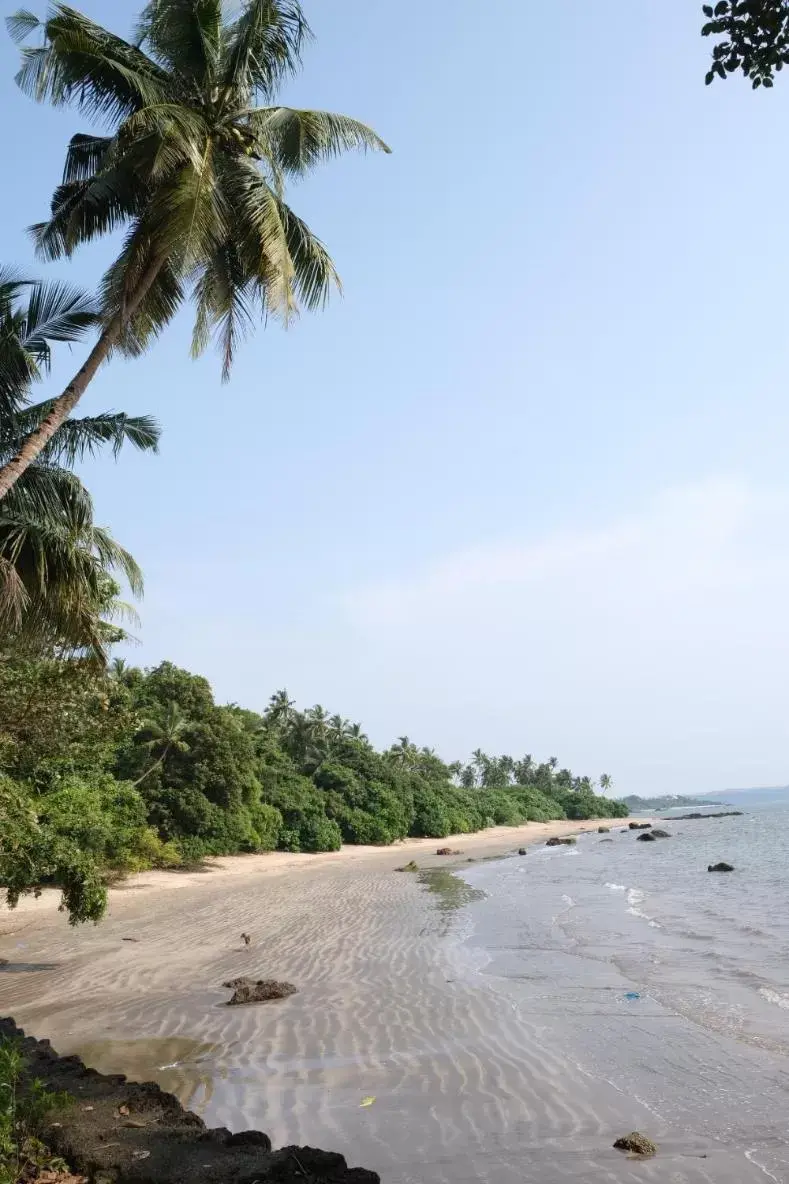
[65, 403]
[155, 765]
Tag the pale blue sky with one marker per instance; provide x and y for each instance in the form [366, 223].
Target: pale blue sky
[524, 486]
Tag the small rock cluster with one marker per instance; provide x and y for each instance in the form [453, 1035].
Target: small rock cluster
[249, 990]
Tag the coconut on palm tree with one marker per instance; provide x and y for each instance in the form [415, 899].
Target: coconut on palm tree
[193, 168]
[56, 587]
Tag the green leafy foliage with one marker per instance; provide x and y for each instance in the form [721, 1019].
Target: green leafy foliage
[752, 38]
[103, 773]
[23, 1106]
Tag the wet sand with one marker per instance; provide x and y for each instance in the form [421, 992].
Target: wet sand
[388, 1008]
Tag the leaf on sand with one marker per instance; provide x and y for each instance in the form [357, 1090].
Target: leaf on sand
[366, 1102]
[140, 1154]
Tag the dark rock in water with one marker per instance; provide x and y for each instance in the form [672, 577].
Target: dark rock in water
[521, 850]
[561, 841]
[720, 814]
[647, 837]
[171, 1146]
[249, 990]
[720, 867]
[606, 840]
[636, 1144]
[640, 825]
[658, 834]
[603, 830]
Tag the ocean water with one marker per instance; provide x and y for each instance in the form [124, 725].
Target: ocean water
[660, 982]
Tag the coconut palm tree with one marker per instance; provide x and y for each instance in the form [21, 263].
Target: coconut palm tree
[280, 709]
[193, 169]
[339, 728]
[163, 735]
[55, 563]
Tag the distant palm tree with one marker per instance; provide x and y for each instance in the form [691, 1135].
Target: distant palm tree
[319, 719]
[524, 770]
[404, 752]
[280, 709]
[163, 736]
[193, 170]
[606, 781]
[339, 728]
[481, 764]
[356, 733]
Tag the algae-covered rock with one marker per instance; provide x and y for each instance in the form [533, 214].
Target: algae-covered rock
[636, 1144]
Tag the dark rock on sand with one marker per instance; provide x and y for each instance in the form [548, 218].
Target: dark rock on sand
[448, 851]
[166, 1144]
[408, 867]
[720, 814]
[639, 825]
[720, 867]
[250, 990]
[636, 1144]
[561, 841]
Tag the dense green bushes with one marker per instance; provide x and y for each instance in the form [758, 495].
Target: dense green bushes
[108, 773]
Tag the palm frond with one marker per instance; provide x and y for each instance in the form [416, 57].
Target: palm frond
[185, 35]
[224, 306]
[53, 312]
[297, 140]
[84, 210]
[57, 311]
[263, 47]
[50, 496]
[261, 238]
[188, 220]
[63, 569]
[161, 303]
[85, 156]
[161, 138]
[314, 273]
[113, 557]
[13, 596]
[78, 438]
[81, 62]
[21, 24]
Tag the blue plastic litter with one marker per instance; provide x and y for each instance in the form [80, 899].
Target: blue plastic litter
[632, 995]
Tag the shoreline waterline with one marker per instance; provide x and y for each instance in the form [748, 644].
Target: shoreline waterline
[488, 844]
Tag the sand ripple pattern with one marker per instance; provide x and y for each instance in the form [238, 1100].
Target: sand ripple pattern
[467, 1088]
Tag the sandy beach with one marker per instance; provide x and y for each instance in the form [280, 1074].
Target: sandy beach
[384, 1009]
